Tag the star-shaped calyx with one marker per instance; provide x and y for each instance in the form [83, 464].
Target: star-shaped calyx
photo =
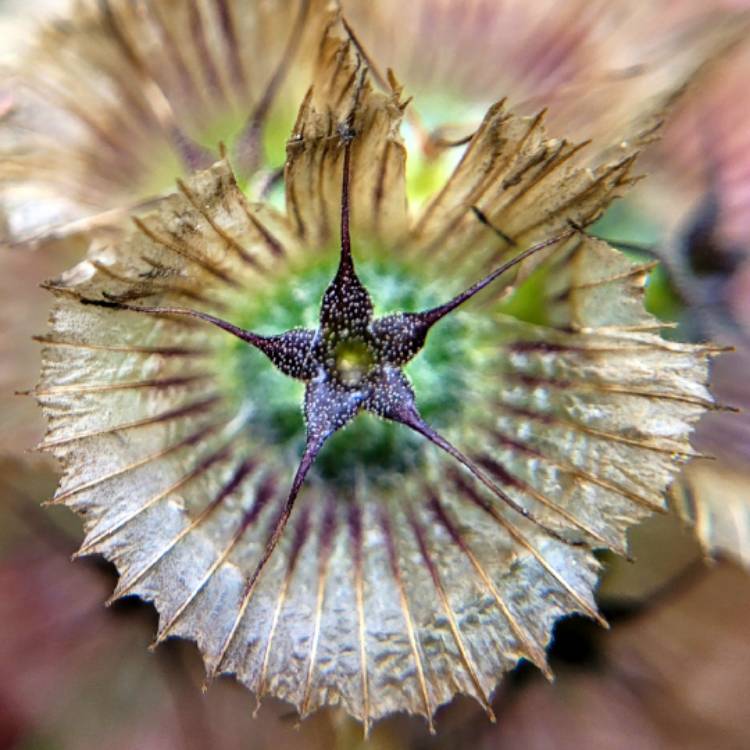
[353, 362]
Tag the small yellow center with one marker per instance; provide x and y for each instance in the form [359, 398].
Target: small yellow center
[353, 361]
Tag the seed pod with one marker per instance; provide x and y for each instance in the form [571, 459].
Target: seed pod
[473, 400]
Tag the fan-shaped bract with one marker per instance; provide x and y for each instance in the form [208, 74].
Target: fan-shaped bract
[399, 580]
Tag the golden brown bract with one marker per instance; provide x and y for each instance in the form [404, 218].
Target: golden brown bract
[379, 597]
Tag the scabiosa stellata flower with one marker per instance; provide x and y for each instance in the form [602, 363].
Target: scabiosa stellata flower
[368, 467]
[109, 104]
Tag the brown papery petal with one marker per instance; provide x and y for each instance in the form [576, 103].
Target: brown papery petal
[388, 593]
[342, 99]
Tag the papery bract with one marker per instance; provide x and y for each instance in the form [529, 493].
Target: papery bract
[400, 579]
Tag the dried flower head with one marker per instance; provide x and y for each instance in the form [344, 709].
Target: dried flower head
[363, 458]
[109, 105]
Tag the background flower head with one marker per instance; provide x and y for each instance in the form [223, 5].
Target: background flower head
[103, 109]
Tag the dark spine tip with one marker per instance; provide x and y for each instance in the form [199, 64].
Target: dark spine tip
[483, 219]
[111, 304]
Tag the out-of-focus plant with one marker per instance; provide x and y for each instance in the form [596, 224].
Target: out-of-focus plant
[707, 259]
[103, 110]
[698, 205]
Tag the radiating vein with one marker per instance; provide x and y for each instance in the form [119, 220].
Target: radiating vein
[166, 351]
[355, 528]
[167, 416]
[463, 651]
[531, 649]
[177, 380]
[300, 537]
[324, 555]
[405, 609]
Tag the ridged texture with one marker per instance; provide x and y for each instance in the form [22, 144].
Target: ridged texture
[381, 596]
